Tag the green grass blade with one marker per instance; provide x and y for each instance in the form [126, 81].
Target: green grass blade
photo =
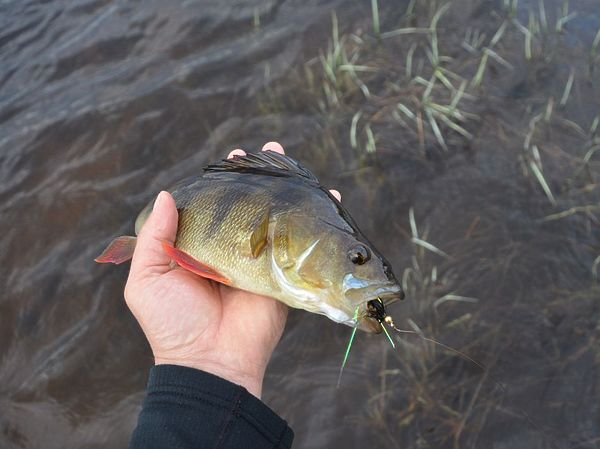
[595, 268]
[404, 31]
[436, 129]
[353, 141]
[594, 125]
[413, 223]
[568, 87]
[499, 34]
[540, 177]
[476, 81]
[371, 145]
[375, 13]
[560, 23]
[459, 129]
[453, 297]
[430, 247]
[595, 45]
[409, 59]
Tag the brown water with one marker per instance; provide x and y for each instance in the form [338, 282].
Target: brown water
[104, 103]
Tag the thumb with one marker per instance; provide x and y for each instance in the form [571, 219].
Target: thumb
[149, 257]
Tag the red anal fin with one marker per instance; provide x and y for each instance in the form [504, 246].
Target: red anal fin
[118, 251]
[186, 261]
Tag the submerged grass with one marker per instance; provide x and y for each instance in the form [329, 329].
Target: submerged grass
[435, 91]
[430, 90]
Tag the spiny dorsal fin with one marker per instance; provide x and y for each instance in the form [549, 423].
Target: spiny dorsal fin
[266, 162]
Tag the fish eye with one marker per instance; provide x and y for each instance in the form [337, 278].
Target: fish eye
[359, 255]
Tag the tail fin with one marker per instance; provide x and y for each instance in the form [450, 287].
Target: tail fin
[118, 251]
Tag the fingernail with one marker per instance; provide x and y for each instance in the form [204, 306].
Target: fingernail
[336, 194]
[158, 200]
[273, 146]
[236, 152]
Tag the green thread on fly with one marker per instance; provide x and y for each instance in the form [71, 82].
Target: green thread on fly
[349, 345]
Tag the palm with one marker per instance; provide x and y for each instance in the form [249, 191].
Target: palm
[179, 311]
[186, 317]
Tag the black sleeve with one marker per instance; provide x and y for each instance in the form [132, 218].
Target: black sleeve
[186, 408]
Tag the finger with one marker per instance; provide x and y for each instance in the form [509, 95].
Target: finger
[336, 194]
[236, 152]
[149, 257]
[273, 146]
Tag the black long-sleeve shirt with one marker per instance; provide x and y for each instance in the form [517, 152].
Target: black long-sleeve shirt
[186, 408]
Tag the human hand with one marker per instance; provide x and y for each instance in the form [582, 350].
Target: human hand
[195, 322]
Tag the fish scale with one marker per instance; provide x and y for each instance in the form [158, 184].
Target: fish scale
[196, 224]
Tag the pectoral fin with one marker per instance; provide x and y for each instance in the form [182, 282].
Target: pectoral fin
[118, 251]
[186, 261]
[258, 239]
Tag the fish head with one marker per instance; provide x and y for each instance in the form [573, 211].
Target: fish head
[368, 284]
[335, 271]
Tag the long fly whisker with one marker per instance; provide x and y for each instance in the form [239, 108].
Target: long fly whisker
[449, 348]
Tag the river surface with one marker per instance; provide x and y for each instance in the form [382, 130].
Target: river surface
[493, 225]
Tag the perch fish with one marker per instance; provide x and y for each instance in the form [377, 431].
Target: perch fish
[263, 223]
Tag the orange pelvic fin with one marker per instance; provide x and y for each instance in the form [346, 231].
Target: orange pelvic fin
[118, 251]
[186, 261]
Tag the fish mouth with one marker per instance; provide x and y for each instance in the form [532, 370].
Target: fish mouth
[361, 291]
[372, 323]
[364, 290]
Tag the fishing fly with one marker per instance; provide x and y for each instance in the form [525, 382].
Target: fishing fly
[376, 310]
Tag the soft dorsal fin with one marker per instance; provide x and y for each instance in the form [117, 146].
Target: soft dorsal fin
[266, 163]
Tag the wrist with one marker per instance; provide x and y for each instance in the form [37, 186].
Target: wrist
[250, 381]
